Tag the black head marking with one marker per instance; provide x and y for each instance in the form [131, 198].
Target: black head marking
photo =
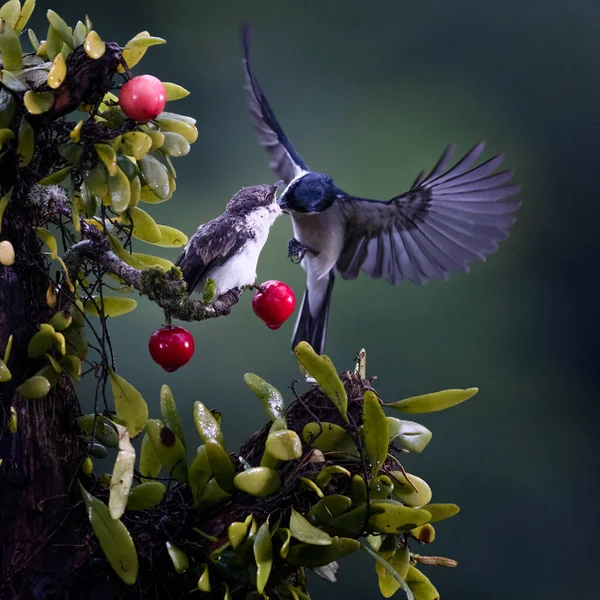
[313, 192]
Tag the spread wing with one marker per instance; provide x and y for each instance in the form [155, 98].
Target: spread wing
[213, 244]
[285, 161]
[447, 220]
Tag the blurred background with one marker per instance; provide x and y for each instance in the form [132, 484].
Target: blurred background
[371, 93]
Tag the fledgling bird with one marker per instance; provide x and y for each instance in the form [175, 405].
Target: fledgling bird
[227, 248]
[448, 219]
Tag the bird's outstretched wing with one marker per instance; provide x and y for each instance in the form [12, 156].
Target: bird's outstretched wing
[213, 244]
[285, 161]
[447, 220]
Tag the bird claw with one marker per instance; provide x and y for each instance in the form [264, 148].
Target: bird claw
[297, 251]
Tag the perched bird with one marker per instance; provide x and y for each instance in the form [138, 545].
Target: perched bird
[449, 218]
[227, 248]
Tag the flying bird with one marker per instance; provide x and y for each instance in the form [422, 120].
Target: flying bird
[227, 248]
[449, 218]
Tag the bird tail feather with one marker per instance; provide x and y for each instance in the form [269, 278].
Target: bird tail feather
[314, 329]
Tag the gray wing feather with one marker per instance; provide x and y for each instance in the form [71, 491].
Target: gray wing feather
[449, 219]
[285, 161]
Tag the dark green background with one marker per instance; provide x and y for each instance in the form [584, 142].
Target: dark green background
[370, 93]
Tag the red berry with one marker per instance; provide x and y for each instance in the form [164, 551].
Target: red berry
[143, 98]
[274, 303]
[171, 347]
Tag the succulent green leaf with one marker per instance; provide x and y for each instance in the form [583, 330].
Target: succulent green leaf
[324, 477]
[410, 436]
[10, 12]
[47, 238]
[381, 487]
[79, 34]
[93, 45]
[169, 413]
[412, 491]
[144, 41]
[61, 320]
[6, 135]
[359, 491]
[34, 388]
[11, 82]
[130, 406]
[329, 438]
[5, 374]
[136, 144]
[258, 481]
[263, 555]
[328, 508]
[389, 569]
[96, 181]
[270, 396]
[307, 555]
[376, 432]
[168, 449]
[146, 495]
[26, 142]
[420, 585]
[170, 237]
[57, 176]
[220, 465]
[174, 91]
[147, 260]
[53, 362]
[25, 14]
[113, 306]
[37, 103]
[149, 461]
[206, 424]
[40, 343]
[97, 450]
[57, 73]
[114, 539]
[144, 226]
[187, 130]
[433, 402]
[7, 112]
[107, 155]
[424, 534]
[303, 531]
[179, 558]
[199, 474]
[64, 31]
[326, 376]
[439, 512]
[204, 580]
[212, 494]
[393, 517]
[174, 144]
[155, 175]
[237, 531]
[122, 475]
[10, 47]
[119, 191]
[284, 445]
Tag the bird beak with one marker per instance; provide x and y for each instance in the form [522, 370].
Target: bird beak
[282, 203]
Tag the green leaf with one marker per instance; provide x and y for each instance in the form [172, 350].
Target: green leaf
[108, 156]
[220, 465]
[174, 144]
[26, 142]
[34, 388]
[119, 191]
[37, 103]
[178, 557]
[114, 539]
[381, 487]
[263, 555]
[328, 508]
[307, 555]
[122, 475]
[329, 438]
[199, 474]
[26, 13]
[174, 91]
[284, 445]
[155, 175]
[303, 531]
[169, 414]
[10, 12]
[93, 45]
[411, 436]
[131, 408]
[79, 34]
[147, 260]
[359, 491]
[271, 398]
[146, 495]
[40, 343]
[61, 27]
[206, 424]
[412, 491]
[5, 374]
[149, 462]
[47, 238]
[61, 320]
[10, 48]
[168, 449]
[7, 112]
[96, 181]
[326, 376]
[144, 41]
[170, 237]
[11, 82]
[350, 523]
[392, 517]
[187, 130]
[57, 176]
[376, 432]
[420, 585]
[57, 73]
[113, 306]
[390, 569]
[433, 402]
[439, 512]
[324, 477]
[136, 144]
[212, 494]
[237, 531]
[399, 561]
[144, 226]
[258, 481]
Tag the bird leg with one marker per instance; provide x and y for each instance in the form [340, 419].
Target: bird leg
[256, 286]
[297, 251]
